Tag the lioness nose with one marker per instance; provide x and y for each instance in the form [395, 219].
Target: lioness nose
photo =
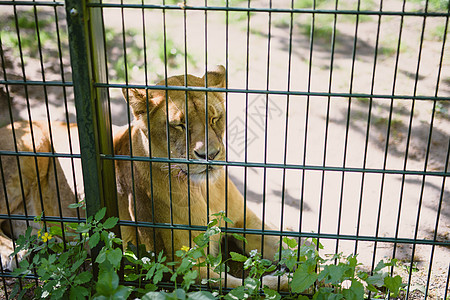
[202, 154]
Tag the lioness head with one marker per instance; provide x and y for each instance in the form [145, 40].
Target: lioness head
[190, 116]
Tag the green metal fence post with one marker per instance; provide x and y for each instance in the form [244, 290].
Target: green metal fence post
[88, 66]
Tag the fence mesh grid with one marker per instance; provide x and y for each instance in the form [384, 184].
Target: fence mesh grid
[337, 121]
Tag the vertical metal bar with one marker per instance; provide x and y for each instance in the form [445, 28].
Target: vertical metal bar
[167, 124]
[347, 126]
[441, 198]
[369, 117]
[266, 124]
[31, 131]
[206, 115]
[130, 140]
[2, 57]
[305, 142]
[22, 63]
[386, 149]
[93, 137]
[446, 289]
[53, 158]
[247, 67]
[148, 126]
[283, 184]
[330, 82]
[186, 118]
[103, 117]
[419, 208]
[403, 176]
[226, 126]
[66, 108]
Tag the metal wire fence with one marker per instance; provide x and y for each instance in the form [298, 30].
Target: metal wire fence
[337, 121]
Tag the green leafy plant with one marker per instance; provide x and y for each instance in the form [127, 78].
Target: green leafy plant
[62, 262]
[60, 258]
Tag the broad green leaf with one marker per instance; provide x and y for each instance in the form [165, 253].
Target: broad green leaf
[63, 258]
[200, 295]
[240, 237]
[100, 214]
[335, 297]
[238, 257]
[332, 273]
[291, 243]
[83, 228]
[78, 263]
[271, 294]
[212, 231]
[212, 223]
[251, 284]
[132, 277]
[154, 296]
[107, 283]
[228, 220]
[110, 222]
[238, 293]
[76, 205]
[101, 257]
[94, 239]
[189, 278]
[115, 256]
[214, 260]
[83, 277]
[219, 214]
[122, 293]
[371, 288]
[179, 294]
[201, 240]
[381, 265]
[393, 284]
[355, 292]
[323, 293]
[302, 279]
[377, 279]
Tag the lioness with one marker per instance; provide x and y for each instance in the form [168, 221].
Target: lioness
[188, 200]
[28, 185]
[175, 193]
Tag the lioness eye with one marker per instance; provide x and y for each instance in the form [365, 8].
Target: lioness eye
[214, 120]
[179, 126]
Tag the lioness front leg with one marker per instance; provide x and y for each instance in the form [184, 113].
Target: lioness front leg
[267, 245]
[6, 248]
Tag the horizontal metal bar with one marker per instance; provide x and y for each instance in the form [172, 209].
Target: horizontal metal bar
[232, 163]
[272, 92]
[29, 3]
[240, 230]
[272, 10]
[41, 83]
[287, 233]
[8, 274]
[46, 218]
[38, 154]
[273, 165]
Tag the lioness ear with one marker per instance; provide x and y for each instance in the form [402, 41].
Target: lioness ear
[137, 99]
[216, 77]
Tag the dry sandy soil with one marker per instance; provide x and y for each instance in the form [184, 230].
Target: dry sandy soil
[314, 131]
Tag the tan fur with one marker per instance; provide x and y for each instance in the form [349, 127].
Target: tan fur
[22, 188]
[143, 188]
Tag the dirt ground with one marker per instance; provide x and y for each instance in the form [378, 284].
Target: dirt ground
[299, 130]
